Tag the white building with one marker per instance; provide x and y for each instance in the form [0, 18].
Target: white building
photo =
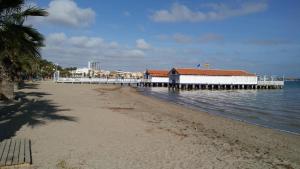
[211, 76]
[157, 76]
[80, 72]
[94, 65]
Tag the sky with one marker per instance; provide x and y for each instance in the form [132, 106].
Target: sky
[260, 36]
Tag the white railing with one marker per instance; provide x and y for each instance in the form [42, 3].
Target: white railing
[96, 80]
[277, 82]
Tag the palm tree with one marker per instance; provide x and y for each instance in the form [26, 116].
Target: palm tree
[17, 41]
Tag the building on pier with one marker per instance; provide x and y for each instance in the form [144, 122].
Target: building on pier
[211, 76]
[156, 77]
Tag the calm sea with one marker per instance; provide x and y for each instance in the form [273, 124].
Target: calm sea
[278, 109]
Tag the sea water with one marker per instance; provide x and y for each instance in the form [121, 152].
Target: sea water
[273, 108]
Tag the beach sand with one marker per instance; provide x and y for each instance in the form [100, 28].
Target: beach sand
[111, 127]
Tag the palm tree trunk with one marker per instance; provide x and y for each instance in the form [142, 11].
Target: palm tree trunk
[6, 86]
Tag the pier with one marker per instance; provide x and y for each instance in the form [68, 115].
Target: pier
[188, 79]
[260, 85]
[275, 84]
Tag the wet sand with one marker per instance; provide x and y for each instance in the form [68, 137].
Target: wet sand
[101, 126]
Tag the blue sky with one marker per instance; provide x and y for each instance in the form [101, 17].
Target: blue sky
[259, 36]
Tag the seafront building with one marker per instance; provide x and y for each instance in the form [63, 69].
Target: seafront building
[157, 77]
[176, 78]
[93, 71]
[189, 78]
[211, 76]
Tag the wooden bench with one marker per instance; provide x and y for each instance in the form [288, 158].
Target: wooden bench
[15, 152]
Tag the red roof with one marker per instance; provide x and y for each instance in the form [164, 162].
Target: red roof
[212, 72]
[158, 73]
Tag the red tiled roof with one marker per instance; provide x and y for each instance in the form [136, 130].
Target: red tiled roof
[213, 72]
[158, 73]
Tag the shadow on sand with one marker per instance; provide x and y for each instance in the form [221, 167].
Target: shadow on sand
[32, 110]
[24, 85]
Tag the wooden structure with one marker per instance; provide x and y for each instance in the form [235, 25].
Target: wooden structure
[15, 153]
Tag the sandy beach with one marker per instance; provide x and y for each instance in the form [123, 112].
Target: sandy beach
[113, 127]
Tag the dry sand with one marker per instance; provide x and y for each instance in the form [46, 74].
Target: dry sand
[109, 127]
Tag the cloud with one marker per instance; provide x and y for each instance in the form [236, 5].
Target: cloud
[87, 42]
[181, 38]
[133, 53]
[77, 50]
[66, 13]
[57, 38]
[113, 44]
[127, 13]
[176, 37]
[218, 11]
[141, 28]
[186, 39]
[142, 44]
[268, 42]
[210, 37]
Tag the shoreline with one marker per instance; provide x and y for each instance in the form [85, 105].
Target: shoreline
[109, 126]
[219, 114]
[216, 113]
[261, 128]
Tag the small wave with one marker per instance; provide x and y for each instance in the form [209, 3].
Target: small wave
[278, 109]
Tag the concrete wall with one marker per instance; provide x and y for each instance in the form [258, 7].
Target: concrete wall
[197, 79]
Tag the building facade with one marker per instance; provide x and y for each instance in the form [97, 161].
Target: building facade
[211, 76]
[94, 65]
[157, 76]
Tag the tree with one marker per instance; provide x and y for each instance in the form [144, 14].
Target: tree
[19, 43]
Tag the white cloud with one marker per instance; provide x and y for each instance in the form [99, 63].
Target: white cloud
[133, 53]
[77, 50]
[113, 44]
[209, 37]
[181, 38]
[181, 13]
[142, 44]
[186, 39]
[66, 13]
[268, 42]
[57, 38]
[83, 41]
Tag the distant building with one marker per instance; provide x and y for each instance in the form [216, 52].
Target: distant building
[211, 76]
[94, 65]
[157, 76]
[91, 71]
[80, 72]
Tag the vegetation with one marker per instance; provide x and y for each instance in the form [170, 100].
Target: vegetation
[20, 44]
[65, 72]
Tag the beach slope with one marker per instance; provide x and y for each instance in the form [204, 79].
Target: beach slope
[106, 126]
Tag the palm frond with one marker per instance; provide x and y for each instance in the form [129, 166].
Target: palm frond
[34, 11]
[20, 17]
[10, 5]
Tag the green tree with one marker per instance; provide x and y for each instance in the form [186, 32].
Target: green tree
[19, 43]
